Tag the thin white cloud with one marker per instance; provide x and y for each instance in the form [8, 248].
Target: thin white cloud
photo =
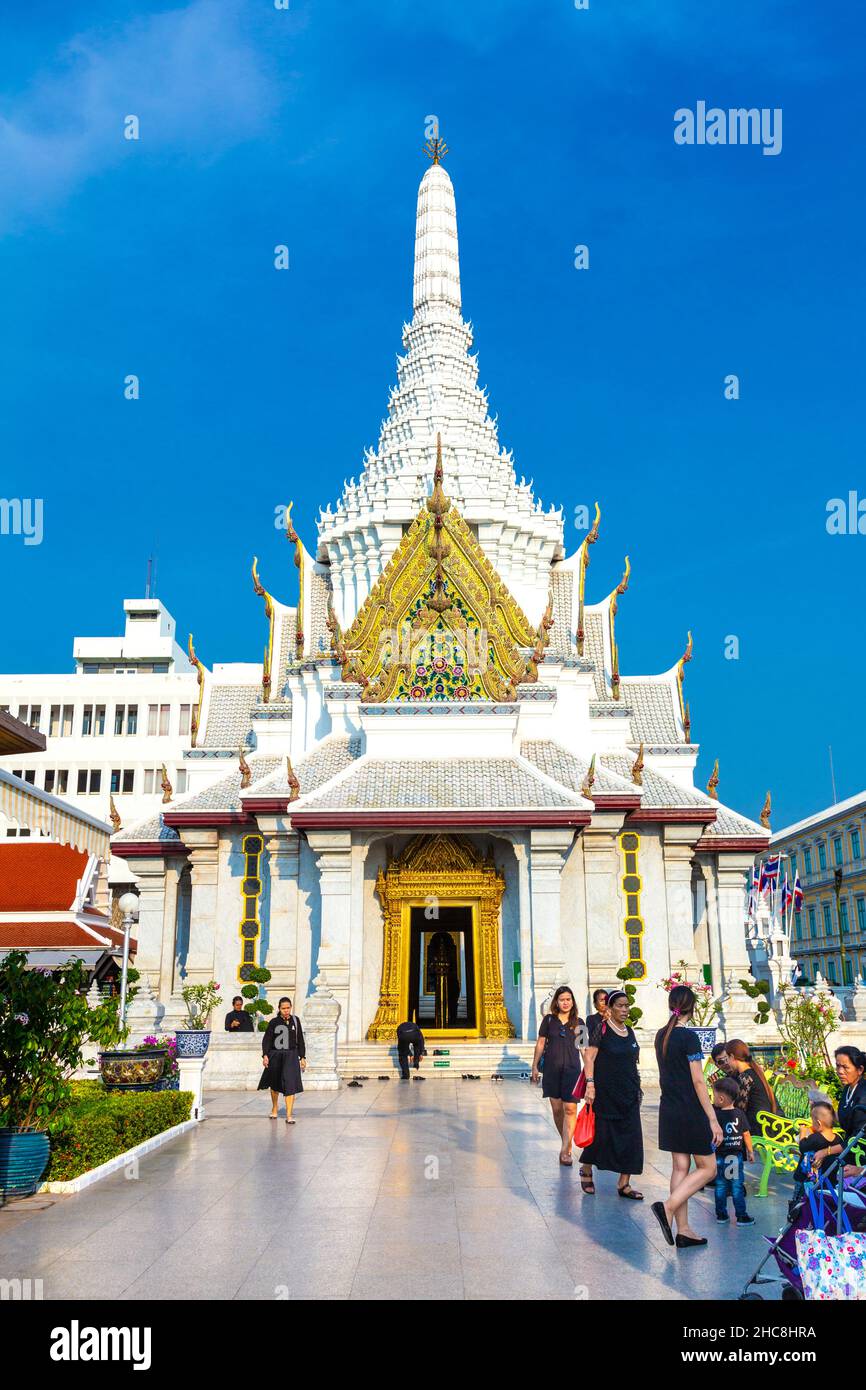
[195, 80]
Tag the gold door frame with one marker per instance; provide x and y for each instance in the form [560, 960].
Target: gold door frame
[449, 870]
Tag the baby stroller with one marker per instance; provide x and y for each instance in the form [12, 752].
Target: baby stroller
[837, 1194]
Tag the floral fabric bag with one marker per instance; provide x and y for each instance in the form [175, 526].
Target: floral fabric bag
[831, 1267]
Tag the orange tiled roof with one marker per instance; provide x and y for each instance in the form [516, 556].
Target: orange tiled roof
[28, 936]
[38, 877]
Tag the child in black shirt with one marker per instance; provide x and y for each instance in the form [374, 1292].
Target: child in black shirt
[736, 1142]
[818, 1135]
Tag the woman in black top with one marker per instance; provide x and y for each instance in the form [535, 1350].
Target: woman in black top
[613, 1087]
[851, 1071]
[756, 1093]
[559, 1038]
[599, 1006]
[687, 1122]
[284, 1056]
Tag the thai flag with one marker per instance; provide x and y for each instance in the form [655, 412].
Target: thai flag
[787, 894]
[753, 895]
[798, 895]
[769, 874]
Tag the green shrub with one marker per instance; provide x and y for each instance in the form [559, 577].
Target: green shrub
[98, 1125]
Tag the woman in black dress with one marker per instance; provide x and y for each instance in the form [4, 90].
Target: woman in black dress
[559, 1038]
[613, 1088]
[284, 1057]
[687, 1122]
[756, 1093]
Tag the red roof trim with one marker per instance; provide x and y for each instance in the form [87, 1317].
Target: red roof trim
[676, 815]
[315, 820]
[715, 843]
[148, 849]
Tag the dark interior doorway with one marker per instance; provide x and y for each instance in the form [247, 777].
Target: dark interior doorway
[442, 969]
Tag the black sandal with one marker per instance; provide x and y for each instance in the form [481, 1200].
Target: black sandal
[629, 1192]
[586, 1183]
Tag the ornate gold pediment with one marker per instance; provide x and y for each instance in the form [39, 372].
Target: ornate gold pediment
[439, 624]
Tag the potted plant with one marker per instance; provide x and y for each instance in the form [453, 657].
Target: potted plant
[130, 1069]
[167, 1042]
[45, 1025]
[257, 975]
[194, 1038]
[704, 1018]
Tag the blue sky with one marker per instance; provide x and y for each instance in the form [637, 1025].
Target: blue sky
[305, 127]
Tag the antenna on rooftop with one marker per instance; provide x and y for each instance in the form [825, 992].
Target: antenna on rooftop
[832, 773]
[149, 573]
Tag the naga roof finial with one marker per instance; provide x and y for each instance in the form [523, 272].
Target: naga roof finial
[765, 811]
[637, 768]
[167, 788]
[586, 789]
[114, 814]
[713, 784]
[244, 769]
[291, 778]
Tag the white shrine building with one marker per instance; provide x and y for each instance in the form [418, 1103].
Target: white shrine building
[441, 758]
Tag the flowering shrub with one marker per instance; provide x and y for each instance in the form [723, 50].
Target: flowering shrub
[806, 1023]
[169, 1042]
[201, 1000]
[99, 1125]
[707, 1007]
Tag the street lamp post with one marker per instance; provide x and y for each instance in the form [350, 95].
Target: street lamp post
[837, 879]
[128, 905]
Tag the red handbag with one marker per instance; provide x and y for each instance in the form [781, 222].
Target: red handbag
[584, 1129]
[579, 1087]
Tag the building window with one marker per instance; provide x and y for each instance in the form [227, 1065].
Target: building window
[152, 780]
[95, 780]
[843, 916]
[93, 720]
[807, 860]
[126, 719]
[828, 919]
[54, 721]
[837, 850]
[122, 779]
[822, 855]
[35, 716]
[68, 713]
[56, 780]
[183, 727]
[861, 914]
[855, 844]
[180, 780]
[82, 781]
[847, 974]
[831, 970]
[157, 720]
[793, 867]
[798, 926]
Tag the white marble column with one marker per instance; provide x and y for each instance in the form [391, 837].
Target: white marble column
[283, 848]
[204, 845]
[150, 876]
[333, 851]
[678, 848]
[602, 871]
[547, 852]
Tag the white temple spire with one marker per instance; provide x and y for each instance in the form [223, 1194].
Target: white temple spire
[436, 286]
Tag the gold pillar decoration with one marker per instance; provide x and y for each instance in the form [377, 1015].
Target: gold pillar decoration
[632, 883]
[251, 892]
[637, 768]
[450, 870]
[436, 150]
[766, 811]
[612, 612]
[293, 537]
[591, 538]
[713, 784]
[167, 789]
[269, 614]
[195, 722]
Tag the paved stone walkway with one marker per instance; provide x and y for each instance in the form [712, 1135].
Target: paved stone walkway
[442, 1189]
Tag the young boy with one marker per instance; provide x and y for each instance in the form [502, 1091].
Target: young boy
[736, 1141]
[814, 1137]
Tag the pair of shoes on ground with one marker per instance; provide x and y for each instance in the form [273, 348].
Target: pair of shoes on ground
[681, 1242]
[741, 1220]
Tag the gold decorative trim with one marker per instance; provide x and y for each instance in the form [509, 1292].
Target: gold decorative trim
[632, 884]
[583, 565]
[251, 892]
[589, 779]
[167, 788]
[439, 594]
[450, 870]
[766, 811]
[114, 814]
[612, 612]
[195, 721]
[291, 778]
[713, 784]
[269, 614]
[244, 769]
[637, 768]
[293, 537]
[681, 676]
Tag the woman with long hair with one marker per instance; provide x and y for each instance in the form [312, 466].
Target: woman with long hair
[688, 1127]
[559, 1040]
[756, 1093]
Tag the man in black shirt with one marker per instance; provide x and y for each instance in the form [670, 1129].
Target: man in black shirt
[409, 1035]
[237, 1018]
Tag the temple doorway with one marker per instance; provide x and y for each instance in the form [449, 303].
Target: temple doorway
[442, 969]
